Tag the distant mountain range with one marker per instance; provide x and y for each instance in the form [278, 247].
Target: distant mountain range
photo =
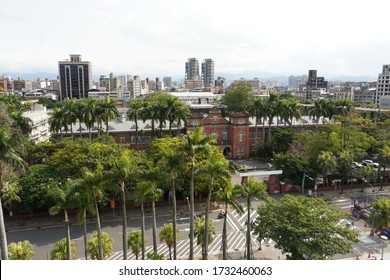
[230, 77]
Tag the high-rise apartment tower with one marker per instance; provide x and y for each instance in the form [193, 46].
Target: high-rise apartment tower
[208, 72]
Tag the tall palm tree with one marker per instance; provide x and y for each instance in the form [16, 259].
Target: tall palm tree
[251, 189]
[167, 234]
[152, 177]
[257, 110]
[22, 122]
[63, 196]
[121, 171]
[215, 170]
[384, 158]
[272, 111]
[90, 114]
[345, 166]
[228, 193]
[194, 143]
[133, 114]
[173, 162]
[8, 155]
[327, 162]
[109, 110]
[94, 181]
[70, 116]
[141, 197]
[56, 121]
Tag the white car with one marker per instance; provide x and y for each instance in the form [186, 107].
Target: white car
[357, 165]
[369, 162]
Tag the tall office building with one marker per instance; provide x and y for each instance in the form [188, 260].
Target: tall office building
[208, 72]
[75, 77]
[192, 69]
[383, 85]
[315, 85]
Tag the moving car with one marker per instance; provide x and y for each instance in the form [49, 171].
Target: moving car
[369, 162]
[357, 165]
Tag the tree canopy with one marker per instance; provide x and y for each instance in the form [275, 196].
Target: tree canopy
[306, 228]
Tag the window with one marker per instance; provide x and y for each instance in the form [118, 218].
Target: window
[241, 121]
[214, 118]
[122, 140]
[224, 135]
[195, 122]
[132, 140]
[241, 137]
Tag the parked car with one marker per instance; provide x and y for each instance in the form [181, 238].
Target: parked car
[369, 162]
[356, 165]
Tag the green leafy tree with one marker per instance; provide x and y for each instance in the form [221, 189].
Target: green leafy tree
[345, 161]
[60, 251]
[21, 250]
[306, 228]
[166, 235]
[257, 109]
[238, 97]
[93, 246]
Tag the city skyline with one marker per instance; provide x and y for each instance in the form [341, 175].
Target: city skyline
[155, 38]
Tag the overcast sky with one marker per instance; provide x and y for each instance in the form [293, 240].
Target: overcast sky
[156, 37]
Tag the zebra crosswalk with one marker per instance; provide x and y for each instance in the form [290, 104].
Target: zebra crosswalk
[236, 240]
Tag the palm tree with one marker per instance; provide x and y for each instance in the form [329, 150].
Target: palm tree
[327, 162]
[177, 111]
[94, 182]
[380, 212]
[22, 122]
[134, 242]
[141, 197]
[215, 170]
[121, 171]
[64, 201]
[152, 177]
[173, 161]
[21, 250]
[60, 251]
[345, 161]
[167, 235]
[384, 157]
[251, 189]
[94, 249]
[70, 116]
[228, 194]
[109, 111]
[90, 114]
[200, 229]
[56, 121]
[79, 113]
[194, 143]
[257, 110]
[271, 111]
[8, 155]
[133, 114]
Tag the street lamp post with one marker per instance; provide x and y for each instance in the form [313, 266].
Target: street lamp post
[384, 238]
[303, 181]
